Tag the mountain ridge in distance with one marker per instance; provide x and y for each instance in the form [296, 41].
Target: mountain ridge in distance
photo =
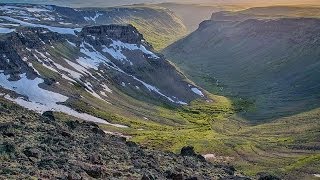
[101, 3]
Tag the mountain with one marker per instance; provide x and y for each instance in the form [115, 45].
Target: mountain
[271, 63]
[74, 69]
[160, 26]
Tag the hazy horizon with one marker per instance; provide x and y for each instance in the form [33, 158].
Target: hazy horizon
[102, 3]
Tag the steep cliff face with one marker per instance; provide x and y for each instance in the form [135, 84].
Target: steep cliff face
[127, 34]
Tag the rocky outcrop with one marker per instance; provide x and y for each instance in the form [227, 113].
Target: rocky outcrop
[124, 33]
[40, 147]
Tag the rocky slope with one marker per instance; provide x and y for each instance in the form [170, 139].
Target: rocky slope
[271, 63]
[35, 146]
[97, 62]
[84, 71]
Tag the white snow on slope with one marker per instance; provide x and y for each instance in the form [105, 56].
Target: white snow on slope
[94, 59]
[78, 67]
[59, 30]
[91, 91]
[34, 9]
[9, 24]
[6, 30]
[34, 69]
[115, 53]
[17, 9]
[197, 91]
[41, 100]
[30, 88]
[28, 13]
[93, 18]
[115, 49]
[154, 89]
[72, 73]
[106, 88]
[72, 44]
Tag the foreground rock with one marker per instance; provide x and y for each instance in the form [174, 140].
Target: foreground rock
[47, 147]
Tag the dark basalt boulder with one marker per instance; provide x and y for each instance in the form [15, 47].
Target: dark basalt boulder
[188, 151]
[49, 115]
[32, 152]
[266, 176]
[7, 147]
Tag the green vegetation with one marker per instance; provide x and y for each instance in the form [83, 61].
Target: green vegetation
[159, 26]
[283, 147]
[159, 39]
[286, 146]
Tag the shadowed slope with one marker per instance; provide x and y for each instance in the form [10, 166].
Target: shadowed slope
[272, 63]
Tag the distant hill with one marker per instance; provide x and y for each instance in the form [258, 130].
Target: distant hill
[190, 20]
[268, 13]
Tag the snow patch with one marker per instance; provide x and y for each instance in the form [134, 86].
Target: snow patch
[93, 59]
[91, 91]
[64, 23]
[34, 69]
[71, 43]
[68, 79]
[78, 67]
[93, 18]
[59, 30]
[37, 10]
[31, 89]
[41, 100]
[118, 46]
[118, 134]
[6, 30]
[30, 9]
[72, 73]
[197, 91]
[115, 53]
[106, 88]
